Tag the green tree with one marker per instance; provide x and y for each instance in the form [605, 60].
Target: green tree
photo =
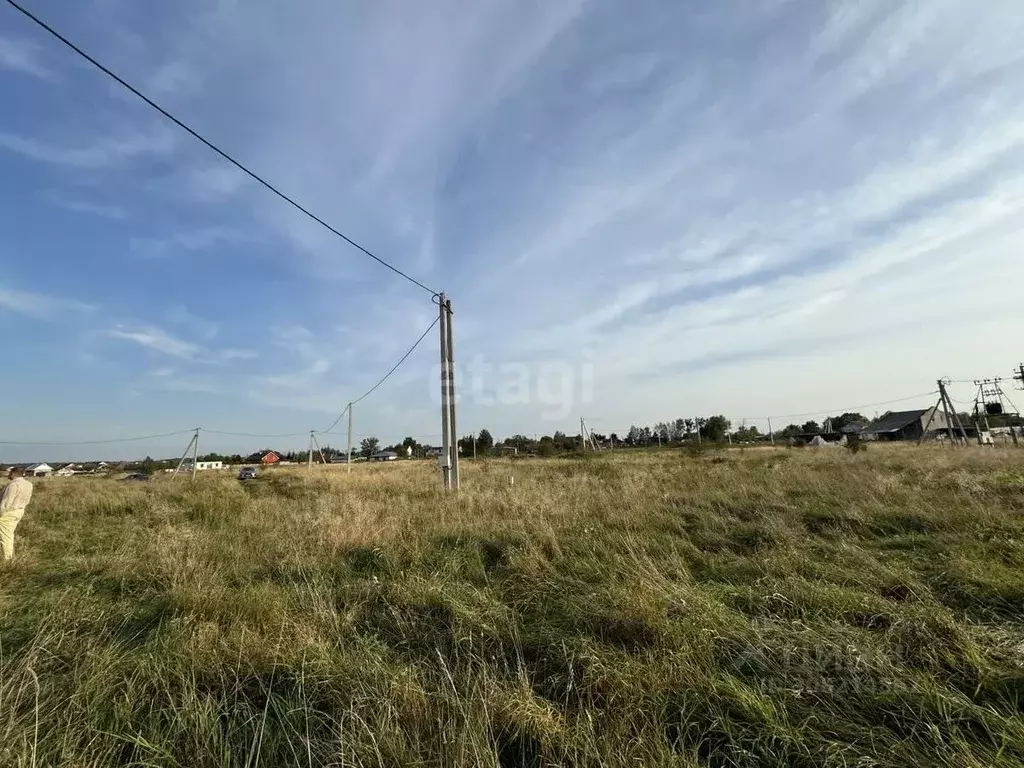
[715, 428]
[484, 441]
[811, 428]
[369, 446]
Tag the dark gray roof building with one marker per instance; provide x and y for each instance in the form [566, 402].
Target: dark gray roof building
[905, 425]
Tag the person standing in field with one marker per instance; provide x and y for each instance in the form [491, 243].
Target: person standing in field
[13, 500]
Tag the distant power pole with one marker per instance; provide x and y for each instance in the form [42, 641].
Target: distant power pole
[193, 445]
[771, 434]
[949, 412]
[1020, 376]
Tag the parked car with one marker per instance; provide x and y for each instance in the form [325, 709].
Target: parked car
[136, 477]
[247, 473]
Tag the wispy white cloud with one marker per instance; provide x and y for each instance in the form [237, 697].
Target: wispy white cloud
[104, 210]
[186, 241]
[40, 306]
[167, 343]
[95, 155]
[23, 57]
[157, 340]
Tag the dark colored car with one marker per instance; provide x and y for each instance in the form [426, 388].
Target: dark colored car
[247, 473]
[136, 477]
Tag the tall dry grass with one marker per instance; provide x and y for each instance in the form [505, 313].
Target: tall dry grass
[770, 608]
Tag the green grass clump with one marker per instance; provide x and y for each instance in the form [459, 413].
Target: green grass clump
[755, 608]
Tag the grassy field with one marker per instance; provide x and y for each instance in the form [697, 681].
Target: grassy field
[763, 608]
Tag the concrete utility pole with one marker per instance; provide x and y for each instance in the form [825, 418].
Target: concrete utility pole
[309, 454]
[456, 484]
[771, 434]
[350, 438]
[449, 451]
[1020, 376]
[193, 445]
[950, 414]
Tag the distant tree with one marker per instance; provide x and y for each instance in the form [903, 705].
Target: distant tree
[689, 425]
[614, 438]
[546, 446]
[747, 434]
[678, 429]
[521, 443]
[633, 436]
[791, 430]
[466, 445]
[484, 441]
[645, 435]
[811, 428]
[563, 442]
[369, 446]
[838, 422]
[148, 465]
[662, 430]
[715, 428]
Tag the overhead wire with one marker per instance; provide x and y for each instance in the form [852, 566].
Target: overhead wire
[100, 442]
[847, 409]
[252, 174]
[386, 376]
[252, 434]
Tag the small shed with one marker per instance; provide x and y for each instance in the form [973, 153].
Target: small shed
[385, 456]
[38, 470]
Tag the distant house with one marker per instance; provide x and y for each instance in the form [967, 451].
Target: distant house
[384, 456]
[68, 470]
[38, 470]
[268, 457]
[906, 425]
[203, 465]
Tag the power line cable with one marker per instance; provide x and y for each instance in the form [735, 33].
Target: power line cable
[28, 14]
[839, 410]
[335, 422]
[386, 376]
[251, 434]
[102, 442]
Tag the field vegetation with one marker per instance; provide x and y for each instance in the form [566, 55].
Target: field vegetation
[726, 608]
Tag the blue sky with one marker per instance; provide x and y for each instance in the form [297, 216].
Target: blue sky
[748, 208]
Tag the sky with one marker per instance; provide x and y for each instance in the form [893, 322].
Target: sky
[639, 211]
